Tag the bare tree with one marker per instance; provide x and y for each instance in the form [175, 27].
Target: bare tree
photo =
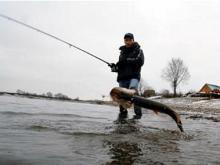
[175, 73]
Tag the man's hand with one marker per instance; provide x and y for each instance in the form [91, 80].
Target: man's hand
[113, 67]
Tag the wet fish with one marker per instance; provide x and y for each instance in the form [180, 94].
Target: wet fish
[128, 97]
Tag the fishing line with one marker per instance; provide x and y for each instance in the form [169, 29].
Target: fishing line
[54, 37]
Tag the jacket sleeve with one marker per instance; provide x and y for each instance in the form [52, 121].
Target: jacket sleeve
[137, 61]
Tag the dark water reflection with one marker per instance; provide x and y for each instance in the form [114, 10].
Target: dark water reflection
[123, 151]
[130, 143]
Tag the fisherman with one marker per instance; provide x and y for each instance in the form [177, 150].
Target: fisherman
[128, 67]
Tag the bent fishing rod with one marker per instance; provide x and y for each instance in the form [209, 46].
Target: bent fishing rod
[54, 37]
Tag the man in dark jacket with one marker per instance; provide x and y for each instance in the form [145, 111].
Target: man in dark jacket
[128, 67]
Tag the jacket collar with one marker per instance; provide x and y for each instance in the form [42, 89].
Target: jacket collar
[134, 47]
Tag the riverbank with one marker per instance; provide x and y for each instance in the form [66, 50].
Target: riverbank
[192, 104]
[37, 96]
[181, 104]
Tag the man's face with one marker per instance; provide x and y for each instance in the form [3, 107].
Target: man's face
[128, 42]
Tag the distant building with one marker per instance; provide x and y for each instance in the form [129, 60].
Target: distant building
[61, 96]
[49, 94]
[149, 93]
[210, 88]
[20, 92]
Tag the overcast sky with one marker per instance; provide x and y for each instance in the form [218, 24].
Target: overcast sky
[189, 29]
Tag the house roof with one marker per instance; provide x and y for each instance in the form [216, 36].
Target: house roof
[213, 87]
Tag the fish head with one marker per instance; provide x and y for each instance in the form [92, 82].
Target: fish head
[122, 96]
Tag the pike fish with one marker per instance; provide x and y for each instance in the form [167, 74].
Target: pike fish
[128, 97]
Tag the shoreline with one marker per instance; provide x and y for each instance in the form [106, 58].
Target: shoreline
[180, 104]
[192, 104]
[33, 96]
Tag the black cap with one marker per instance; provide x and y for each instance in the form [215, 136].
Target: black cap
[129, 35]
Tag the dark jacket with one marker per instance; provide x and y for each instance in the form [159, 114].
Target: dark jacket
[130, 62]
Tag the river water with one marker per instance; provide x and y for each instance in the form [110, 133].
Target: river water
[43, 132]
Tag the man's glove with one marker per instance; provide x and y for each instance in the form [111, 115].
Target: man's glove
[114, 68]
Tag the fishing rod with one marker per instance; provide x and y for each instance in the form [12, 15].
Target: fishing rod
[54, 37]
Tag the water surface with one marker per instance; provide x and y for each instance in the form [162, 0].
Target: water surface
[35, 131]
